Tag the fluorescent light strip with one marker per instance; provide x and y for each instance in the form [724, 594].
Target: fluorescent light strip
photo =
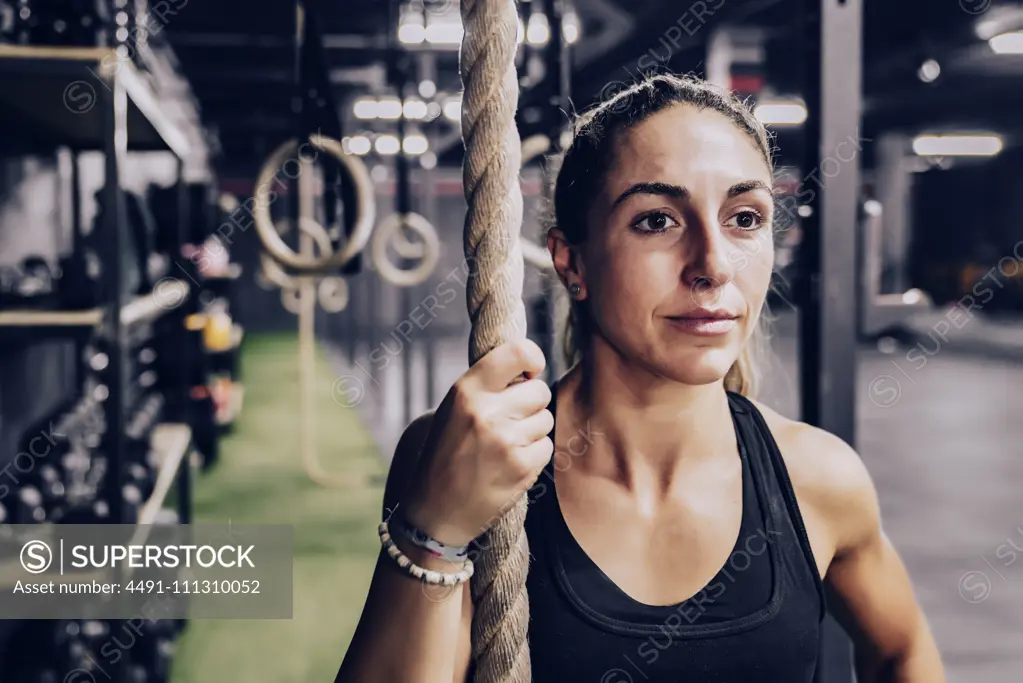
[780, 114]
[387, 145]
[1007, 43]
[957, 145]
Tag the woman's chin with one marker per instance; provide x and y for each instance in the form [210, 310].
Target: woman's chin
[699, 366]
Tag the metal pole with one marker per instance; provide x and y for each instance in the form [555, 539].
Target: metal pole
[115, 136]
[182, 410]
[428, 72]
[77, 254]
[558, 81]
[403, 192]
[828, 317]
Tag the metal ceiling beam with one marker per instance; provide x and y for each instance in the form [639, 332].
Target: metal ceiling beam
[331, 41]
[371, 76]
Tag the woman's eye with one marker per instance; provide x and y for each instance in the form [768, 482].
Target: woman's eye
[655, 222]
[748, 220]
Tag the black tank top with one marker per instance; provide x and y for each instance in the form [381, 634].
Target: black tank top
[757, 621]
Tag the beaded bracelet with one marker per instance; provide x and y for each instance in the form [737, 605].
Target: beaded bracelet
[427, 576]
[420, 538]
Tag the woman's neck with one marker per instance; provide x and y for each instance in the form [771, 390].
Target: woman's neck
[640, 427]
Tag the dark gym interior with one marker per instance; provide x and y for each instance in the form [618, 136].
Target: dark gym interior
[181, 373]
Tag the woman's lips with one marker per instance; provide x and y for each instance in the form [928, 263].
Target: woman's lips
[707, 327]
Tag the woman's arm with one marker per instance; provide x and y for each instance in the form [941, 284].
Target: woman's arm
[869, 590]
[409, 632]
[486, 445]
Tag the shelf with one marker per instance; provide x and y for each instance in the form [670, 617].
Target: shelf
[52, 96]
[87, 318]
[43, 324]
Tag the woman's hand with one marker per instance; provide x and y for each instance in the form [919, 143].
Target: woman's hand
[487, 445]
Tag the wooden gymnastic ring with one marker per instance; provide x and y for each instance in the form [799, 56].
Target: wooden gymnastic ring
[365, 208]
[430, 249]
[272, 271]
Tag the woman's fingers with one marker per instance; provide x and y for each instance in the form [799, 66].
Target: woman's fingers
[506, 364]
[524, 399]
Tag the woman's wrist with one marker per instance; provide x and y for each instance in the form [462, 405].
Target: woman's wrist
[423, 557]
[419, 516]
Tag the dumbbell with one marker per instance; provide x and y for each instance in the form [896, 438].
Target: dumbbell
[82, 473]
[97, 512]
[140, 426]
[50, 435]
[141, 476]
[156, 649]
[50, 482]
[133, 501]
[28, 508]
[92, 635]
[69, 642]
[58, 22]
[138, 674]
[33, 285]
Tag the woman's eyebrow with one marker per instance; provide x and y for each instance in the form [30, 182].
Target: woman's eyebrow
[665, 189]
[747, 186]
[679, 192]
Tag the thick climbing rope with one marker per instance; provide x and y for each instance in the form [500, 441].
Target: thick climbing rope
[490, 178]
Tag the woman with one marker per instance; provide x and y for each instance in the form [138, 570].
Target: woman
[681, 532]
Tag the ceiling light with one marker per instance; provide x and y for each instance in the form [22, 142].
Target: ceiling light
[415, 109]
[570, 27]
[365, 108]
[538, 32]
[453, 109]
[444, 33]
[957, 145]
[415, 144]
[358, 145]
[389, 108]
[781, 114]
[1007, 43]
[387, 145]
[427, 89]
[929, 71]
[411, 34]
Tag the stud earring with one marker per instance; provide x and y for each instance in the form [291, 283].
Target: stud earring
[574, 289]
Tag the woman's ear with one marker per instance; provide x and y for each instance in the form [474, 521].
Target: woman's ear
[567, 262]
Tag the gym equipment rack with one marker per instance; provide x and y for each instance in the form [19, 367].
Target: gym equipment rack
[88, 99]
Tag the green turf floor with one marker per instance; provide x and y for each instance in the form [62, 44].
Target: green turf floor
[260, 480]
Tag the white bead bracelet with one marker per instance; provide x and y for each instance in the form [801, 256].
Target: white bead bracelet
[427, 576]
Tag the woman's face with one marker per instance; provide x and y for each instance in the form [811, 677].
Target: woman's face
[679, 256]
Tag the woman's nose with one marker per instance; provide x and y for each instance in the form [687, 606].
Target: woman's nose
[707, 264]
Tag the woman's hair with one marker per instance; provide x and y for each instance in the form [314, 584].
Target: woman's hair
[584, 165]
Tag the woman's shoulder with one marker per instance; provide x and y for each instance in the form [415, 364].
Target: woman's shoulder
[828, 475]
